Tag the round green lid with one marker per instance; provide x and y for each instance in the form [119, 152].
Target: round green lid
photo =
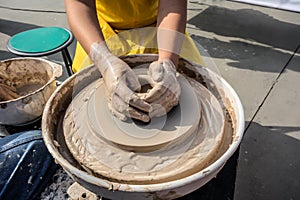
[39, 40]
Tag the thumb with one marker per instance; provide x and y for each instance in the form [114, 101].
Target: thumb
[132, 81]
[156, 71]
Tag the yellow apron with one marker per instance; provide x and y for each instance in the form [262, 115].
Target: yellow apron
[128, 27]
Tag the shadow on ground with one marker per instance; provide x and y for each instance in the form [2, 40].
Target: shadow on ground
[244, 55]
[221, 187]
[249, 24]
[12, 27]
[268, 37]
[268, 168]
[269, 164]
[6, 55]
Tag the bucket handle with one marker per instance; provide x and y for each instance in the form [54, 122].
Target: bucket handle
[57, 69]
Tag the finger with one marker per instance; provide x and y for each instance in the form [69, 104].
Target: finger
[141, 95]
[156, 71]
[119, 104]
[115, 113]
[135, 114]
[132, 81]
[146, 79]
[120, 107]
[161, 110]
[138, 103]
[168, 97]
[130, 98]
[158, 111]
[155, 93]
[164, 105]
[123, 91]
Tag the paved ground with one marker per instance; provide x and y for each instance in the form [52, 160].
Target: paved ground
[257, 51]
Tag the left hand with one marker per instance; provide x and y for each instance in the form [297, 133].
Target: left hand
[166, 90]
[121, 85]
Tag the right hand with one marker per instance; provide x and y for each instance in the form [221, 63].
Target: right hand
[166, 89]
[121, 83]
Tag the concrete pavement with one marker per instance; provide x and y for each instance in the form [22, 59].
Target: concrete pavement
[257, 51]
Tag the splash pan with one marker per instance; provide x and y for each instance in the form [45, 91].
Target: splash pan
[138, 136]
[167, 180]
[171, 147]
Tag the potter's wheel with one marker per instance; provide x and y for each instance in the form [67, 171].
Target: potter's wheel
[138, 136]
[196, 130]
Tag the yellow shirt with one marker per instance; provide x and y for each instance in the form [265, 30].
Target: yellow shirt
[127, 14]
[122, 23]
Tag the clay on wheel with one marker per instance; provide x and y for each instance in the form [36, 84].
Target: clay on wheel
[180, 122]
[173, 160]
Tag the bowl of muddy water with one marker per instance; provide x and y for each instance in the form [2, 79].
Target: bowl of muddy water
[188, 172]
[26, 84]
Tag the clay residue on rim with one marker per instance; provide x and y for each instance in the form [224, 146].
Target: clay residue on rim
[54, 139]
[224, 145]
[81, 150]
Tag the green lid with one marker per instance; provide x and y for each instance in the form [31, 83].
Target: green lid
[39, 40]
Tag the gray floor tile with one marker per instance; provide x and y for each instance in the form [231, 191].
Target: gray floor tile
[249, 44]
[269, 164]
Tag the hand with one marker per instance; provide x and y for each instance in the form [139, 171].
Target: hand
[121, 84]
[166, 89]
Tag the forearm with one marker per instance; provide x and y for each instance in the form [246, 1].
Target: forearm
[83, 22]
[172, 16]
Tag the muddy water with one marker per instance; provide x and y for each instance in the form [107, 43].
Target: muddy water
[28, 88]
[11, 92]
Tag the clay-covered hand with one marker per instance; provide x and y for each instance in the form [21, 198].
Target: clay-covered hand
[7, 93]
[166, 89]
[121, 84]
